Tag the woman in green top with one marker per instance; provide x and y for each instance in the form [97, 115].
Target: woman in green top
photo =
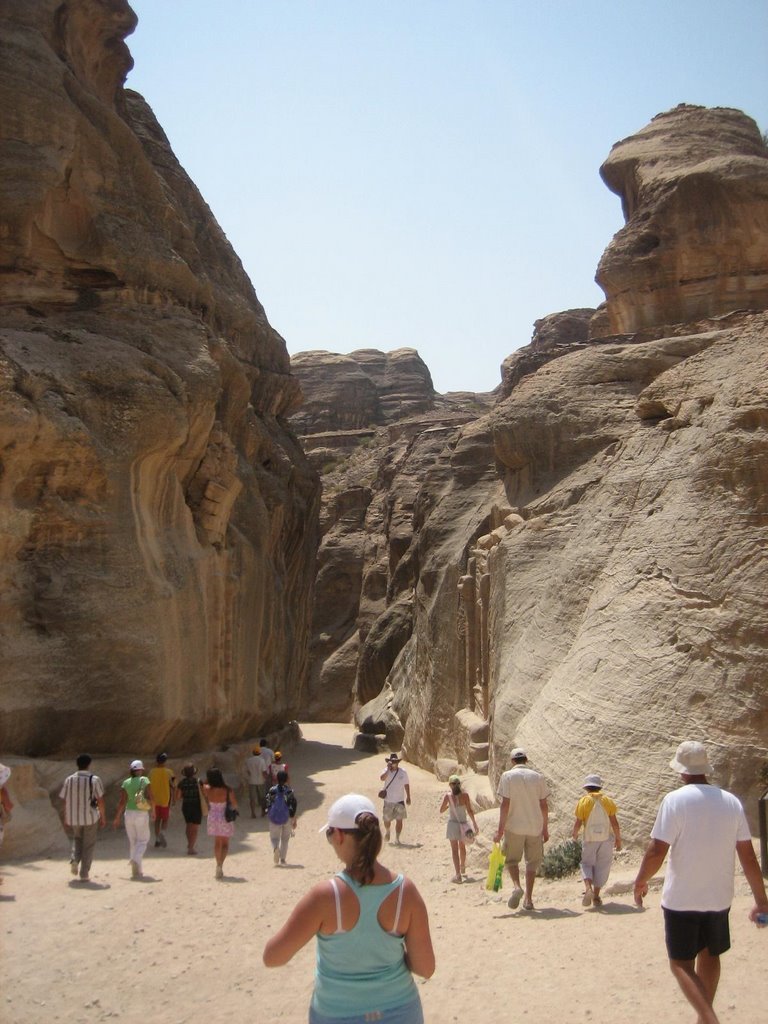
[136, 801]
[371, 926]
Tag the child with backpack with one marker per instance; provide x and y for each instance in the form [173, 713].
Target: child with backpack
[281, 812]
[597, 813]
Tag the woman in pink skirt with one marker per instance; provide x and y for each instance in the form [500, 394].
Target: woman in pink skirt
[217, 792]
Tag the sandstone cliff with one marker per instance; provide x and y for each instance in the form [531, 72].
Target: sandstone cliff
[158, 521]
[373, 425]
[584, 572]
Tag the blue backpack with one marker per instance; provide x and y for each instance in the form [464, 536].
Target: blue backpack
[278, 811]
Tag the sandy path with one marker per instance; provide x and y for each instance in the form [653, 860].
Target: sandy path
[184, 948]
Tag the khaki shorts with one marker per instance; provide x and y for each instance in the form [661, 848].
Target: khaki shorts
[532, 846]
[394, 812]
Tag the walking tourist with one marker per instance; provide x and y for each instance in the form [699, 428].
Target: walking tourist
[219, 797]
[136, 802]
[163, 782]
[257, 785]
[597, 813]
[396, 793]
[523, 823]
[703, 828]
[193, 804]
[281, 811]
[371, 925]
[456, 831]
[84, 814]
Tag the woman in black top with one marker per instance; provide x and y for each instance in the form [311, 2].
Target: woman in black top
[192, 803]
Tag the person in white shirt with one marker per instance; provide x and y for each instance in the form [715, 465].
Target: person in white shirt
[398, 794]
[257, 786]
[524, 824]
[703, 828]
[267, 753]
[84, 814]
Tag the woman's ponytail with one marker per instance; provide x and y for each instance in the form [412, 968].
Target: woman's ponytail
[368, 835]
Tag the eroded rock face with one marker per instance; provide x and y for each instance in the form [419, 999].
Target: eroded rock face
[158, 516]
[381, 476]
[587, 561]
[694, 190]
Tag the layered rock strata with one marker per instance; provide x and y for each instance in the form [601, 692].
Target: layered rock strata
[158, 515]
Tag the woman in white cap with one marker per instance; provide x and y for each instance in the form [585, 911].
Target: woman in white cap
[371, 925]
[597, 813]
[456, 830]
[136, 801]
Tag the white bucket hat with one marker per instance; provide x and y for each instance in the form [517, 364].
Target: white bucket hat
[691, 759]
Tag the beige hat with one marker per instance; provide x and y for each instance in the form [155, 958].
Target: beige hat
[518, 754]
[691, 759]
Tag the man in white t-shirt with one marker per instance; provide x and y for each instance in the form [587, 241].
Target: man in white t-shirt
[257, 786]
[524, 824]
[398, 794]
[702, 827]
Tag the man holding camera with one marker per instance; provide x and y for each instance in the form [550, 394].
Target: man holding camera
[83, 796]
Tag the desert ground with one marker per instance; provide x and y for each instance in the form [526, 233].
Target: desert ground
[181, 947]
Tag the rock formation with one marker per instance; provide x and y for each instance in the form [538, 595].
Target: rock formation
[374, 426]
[585, 568]
[158, 521]
[694, 191]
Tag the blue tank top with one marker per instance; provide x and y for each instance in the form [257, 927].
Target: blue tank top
[364, 969]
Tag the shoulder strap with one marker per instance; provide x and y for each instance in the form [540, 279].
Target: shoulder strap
[393, 930]
[337, 898]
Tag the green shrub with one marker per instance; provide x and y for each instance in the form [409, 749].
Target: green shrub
[562, 860]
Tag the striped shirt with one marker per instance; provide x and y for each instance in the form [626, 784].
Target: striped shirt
[76, 794]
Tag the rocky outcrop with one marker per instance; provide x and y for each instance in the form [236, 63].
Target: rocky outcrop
[694, 190]
[367, 388]
[158, 515]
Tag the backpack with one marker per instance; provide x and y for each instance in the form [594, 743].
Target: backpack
[597, 827]
[278, 810]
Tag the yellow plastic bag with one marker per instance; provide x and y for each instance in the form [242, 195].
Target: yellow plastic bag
[496, 861]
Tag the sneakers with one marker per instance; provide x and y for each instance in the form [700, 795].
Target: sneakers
[135, 870]
[586, 899]
[73, 867]
[276, 855]
[514, 900]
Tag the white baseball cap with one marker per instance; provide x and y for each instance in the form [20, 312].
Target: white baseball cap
[347, 809]
[137, 766]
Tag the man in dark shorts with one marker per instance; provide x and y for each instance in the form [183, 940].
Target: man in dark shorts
[702, 827]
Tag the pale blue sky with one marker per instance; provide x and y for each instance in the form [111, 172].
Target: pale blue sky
[424, 173]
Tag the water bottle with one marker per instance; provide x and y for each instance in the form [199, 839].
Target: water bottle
[761, 920]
